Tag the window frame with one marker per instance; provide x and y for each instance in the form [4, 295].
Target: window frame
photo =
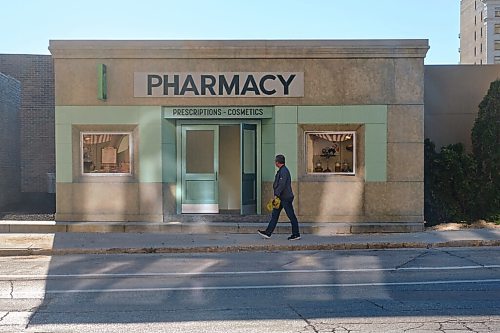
[101, 174]
[354, 154]
[496, 28]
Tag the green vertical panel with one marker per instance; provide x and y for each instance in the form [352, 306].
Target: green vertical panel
[376, 133]
[267, 162]
[376, 172]
[319, 114]
[289, 150]
[285, 114]
[63, 133]
[102, 82]
[169, 163]
[64, 163]
[168, 131]
[269, 121]
[268, 135]
[375, 152]
[63, 115]
[150, 146]
[267, 152]
[375, 161]
[285, 133]
[64, 157]
[64, 173]
[359, 114]
[169, 157]
[286, 144]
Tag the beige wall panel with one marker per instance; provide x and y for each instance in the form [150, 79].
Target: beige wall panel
[358, 219]
[109, 202]
[409, 81]
[112, 217]
[348, 81]
[394, 199]
[105, 198]
[150, 196]
[267, 194]
[169, 199]
[331, 198]
[321, 73]
[405, 123]
[120, 74]
[64, 198]
[405, 162]
[368, 81]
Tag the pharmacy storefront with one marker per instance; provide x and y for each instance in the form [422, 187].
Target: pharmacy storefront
[188, 130]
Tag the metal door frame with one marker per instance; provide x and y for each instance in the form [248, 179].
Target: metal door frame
[203, 177]
[180, 123]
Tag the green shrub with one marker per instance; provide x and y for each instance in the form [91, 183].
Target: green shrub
[486, 149]
[450, 184]
[461, 186]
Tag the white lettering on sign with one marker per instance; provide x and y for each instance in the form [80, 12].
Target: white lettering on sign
[256, 84]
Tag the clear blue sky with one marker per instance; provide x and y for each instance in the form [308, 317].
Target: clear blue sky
[26, 26]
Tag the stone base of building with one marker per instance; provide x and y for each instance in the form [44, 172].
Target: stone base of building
[202, 224]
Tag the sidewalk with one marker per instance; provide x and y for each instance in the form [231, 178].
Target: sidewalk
[101, 243]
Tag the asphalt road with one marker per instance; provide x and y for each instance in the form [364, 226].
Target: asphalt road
[414, 290]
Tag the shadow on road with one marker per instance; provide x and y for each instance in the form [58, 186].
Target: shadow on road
[143, 288]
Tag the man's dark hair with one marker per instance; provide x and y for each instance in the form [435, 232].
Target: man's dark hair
[280, 159]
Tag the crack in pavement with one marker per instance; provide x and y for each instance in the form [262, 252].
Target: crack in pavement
[343, 328]
[377, 305]
[415, 258]
[309, 324]
[11, 289]
[414, 328]
[460, 257]
[3, 317]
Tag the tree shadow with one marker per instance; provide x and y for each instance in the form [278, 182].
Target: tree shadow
[176, 288]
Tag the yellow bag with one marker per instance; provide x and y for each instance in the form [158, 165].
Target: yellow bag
[273, 203]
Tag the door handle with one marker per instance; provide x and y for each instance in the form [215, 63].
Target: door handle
[216, 175]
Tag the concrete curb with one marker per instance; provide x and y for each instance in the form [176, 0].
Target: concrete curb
[249, 248]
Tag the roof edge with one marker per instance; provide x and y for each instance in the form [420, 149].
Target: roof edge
[379, 48]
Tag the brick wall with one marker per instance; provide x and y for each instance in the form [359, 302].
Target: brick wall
[10, 102]
[37, 123]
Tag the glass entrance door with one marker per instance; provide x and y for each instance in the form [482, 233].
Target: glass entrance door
[200, 157]
[248, 169]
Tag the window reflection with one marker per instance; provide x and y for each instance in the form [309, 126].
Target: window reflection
[331, 152]
[106, 153]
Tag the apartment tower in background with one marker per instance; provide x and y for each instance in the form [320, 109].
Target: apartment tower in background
[480, 32]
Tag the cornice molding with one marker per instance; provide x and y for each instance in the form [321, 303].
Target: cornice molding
[238, 49]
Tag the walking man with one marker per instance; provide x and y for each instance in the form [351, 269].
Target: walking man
[282, 187]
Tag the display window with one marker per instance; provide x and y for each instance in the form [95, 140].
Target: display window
[106, 153]
[329, 152]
